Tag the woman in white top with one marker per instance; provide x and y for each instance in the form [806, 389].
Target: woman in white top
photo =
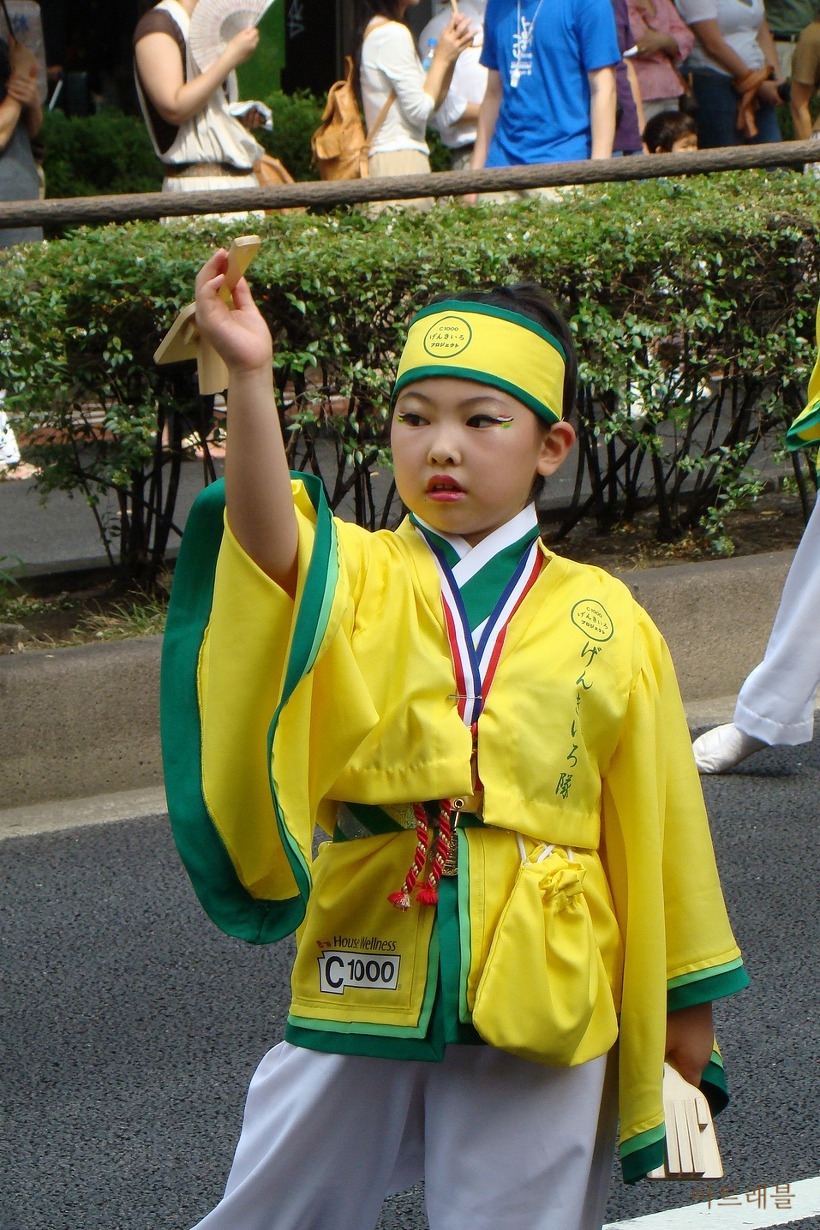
[186, 111]
[388, 61]
[733, 40]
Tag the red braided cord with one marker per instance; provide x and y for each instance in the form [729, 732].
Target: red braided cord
[444, 840]
[401, 899]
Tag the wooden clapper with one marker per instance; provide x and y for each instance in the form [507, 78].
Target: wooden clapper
[691, 1145]
[183, 340]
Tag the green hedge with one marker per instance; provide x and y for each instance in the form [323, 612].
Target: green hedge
[98, 155]
[692, 302]
[295, 119]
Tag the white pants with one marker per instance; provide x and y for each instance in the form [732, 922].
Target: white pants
[9, 452]
[776, 703]
[499, 1141]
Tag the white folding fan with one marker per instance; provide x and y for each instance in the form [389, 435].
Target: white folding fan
[215, 22]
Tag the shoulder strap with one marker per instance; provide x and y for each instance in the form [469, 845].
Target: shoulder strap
[384, 22]
[380, 118]
[391, 98]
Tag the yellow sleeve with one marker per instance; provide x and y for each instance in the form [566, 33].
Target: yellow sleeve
[660, 862]
[249, 677]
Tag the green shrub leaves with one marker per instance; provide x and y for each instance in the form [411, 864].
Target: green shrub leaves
[692, 303]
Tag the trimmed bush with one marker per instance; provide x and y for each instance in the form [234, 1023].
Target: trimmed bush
[692, 303]
[98, 155]
[295, 118]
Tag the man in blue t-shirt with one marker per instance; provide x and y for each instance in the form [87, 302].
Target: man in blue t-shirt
[551, 88]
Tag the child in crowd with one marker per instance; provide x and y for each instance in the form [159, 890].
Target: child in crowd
[519, 869]
[671, 132]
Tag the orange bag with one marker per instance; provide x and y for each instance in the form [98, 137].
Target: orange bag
[340, 148]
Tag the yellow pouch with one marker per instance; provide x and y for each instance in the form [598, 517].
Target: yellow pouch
[544, 993]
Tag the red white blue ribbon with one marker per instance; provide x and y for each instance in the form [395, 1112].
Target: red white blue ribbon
[476, 653]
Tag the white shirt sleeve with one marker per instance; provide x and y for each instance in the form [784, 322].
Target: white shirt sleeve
[452, 109]
[389, 60]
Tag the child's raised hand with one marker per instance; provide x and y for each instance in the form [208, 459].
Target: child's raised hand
[240, 336]
[690, 1037]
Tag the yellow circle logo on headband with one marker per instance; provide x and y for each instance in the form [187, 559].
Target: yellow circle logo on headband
[488, 344]
[448, 337]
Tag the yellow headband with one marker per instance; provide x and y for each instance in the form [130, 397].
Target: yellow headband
[477, 341]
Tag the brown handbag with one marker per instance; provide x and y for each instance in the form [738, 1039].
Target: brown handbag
[269, 170]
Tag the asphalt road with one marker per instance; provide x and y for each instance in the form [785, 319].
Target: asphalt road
[129, 1026]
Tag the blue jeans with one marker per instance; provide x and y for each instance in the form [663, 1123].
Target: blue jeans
[717, 113]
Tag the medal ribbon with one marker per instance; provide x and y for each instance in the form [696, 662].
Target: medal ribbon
[476, 653]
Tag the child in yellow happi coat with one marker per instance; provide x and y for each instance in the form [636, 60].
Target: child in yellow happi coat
[519, 872]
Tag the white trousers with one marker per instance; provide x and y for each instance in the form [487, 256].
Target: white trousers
[500, 1142]
[776, 703]
[9, 452]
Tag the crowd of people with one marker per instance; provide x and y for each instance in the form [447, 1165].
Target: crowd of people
[507, 84]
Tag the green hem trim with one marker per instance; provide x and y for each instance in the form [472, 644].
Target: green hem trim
[713, 1084]
[363, 1044]
[709, 987]
[214, 878]
[544, 412]
[642, 1153]
[698, 974]
[807, 421]
[344, 1029]
[466, 306]
[457, 1029]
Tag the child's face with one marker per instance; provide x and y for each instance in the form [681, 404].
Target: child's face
[687, 144]
[465, 454]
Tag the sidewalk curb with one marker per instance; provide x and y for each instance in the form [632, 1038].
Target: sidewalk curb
[716, 617]
[83, 722]
[80, 722]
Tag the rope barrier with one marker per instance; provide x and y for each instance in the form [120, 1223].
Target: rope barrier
[152, 205]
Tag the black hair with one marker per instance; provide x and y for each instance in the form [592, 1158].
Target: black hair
[667, 127]
[530, 300]
[365, 11]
